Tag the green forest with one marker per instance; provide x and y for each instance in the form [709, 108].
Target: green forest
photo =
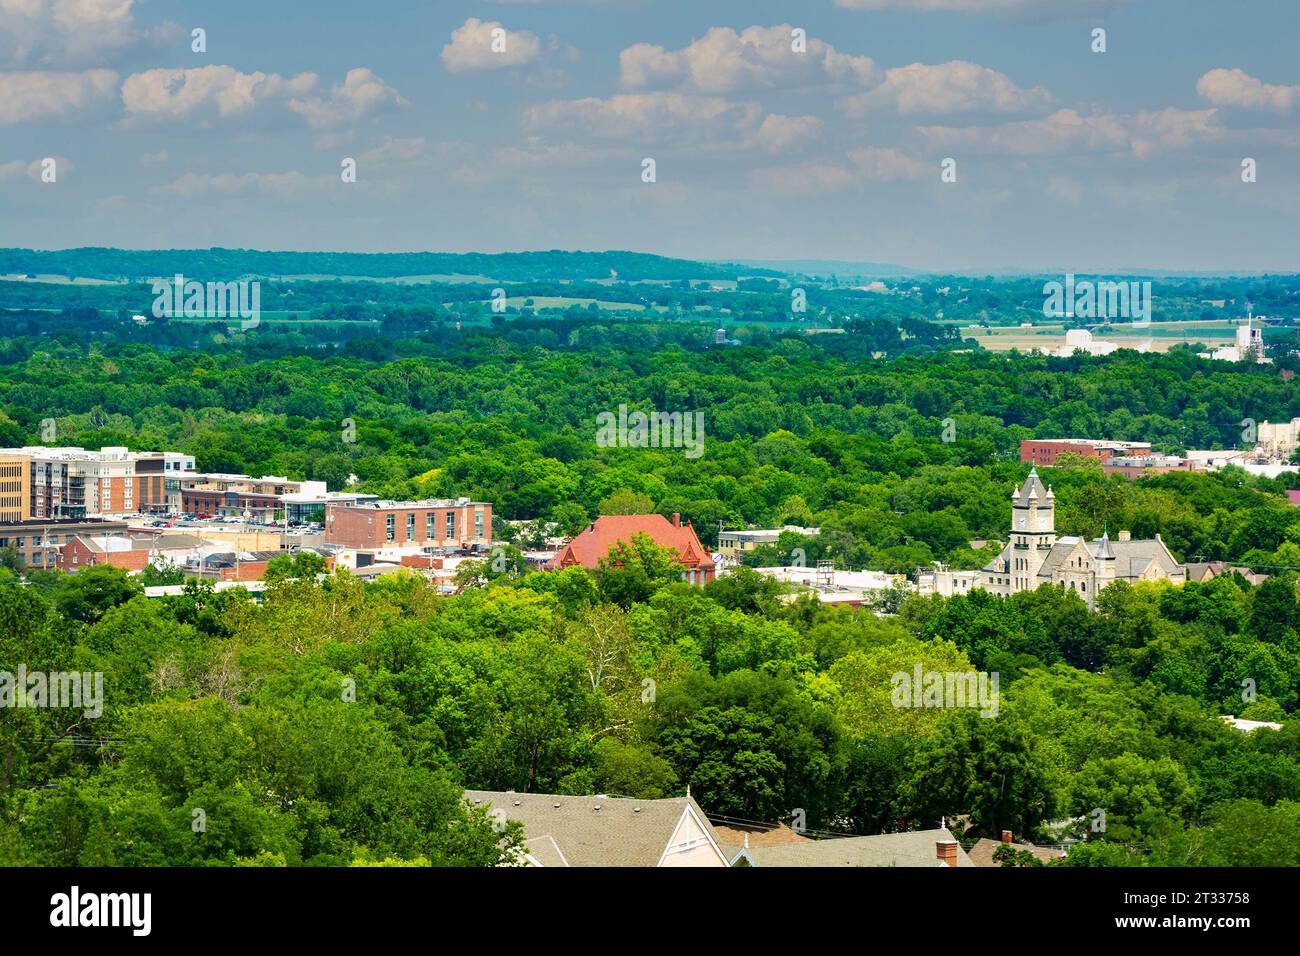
[336, 722]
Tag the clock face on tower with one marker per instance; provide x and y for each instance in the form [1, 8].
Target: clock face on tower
[1022, 521]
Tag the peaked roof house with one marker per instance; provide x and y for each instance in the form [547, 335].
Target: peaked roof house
[981, 853]
[917, 848]
[607, 831]
[597, 538]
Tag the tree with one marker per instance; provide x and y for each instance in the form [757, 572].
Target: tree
[625, 501]
[89, 593]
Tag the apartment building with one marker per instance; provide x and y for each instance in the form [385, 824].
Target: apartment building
[15, 487]
[388, 524]
[79, 483]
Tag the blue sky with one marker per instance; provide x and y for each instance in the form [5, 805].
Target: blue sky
[1066, 159]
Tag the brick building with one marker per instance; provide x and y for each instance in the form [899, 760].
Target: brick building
[588, 548]
[457, 523]
[1042, 452]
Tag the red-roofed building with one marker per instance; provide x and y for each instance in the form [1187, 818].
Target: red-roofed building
[586, 550]
[1293, 496]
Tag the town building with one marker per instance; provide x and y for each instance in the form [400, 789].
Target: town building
[1035, 555]
[73, 482]
[915, 848]
[130, 552]
[833, 586]
[435, 523]
[239, 496]
[733, 544]
[1139, 466]
[1043, 452]
[588, 548]
[562, 831]
[981, 854]
[1278, 441]
[38, 541]
[1248, 346]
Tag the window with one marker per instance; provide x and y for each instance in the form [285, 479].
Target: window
[391, 523]
[429, 520]
[451, 524]
[410, 526]
[478, 523]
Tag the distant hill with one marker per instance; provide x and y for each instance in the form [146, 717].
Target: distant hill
[830, 267]
[227, 264]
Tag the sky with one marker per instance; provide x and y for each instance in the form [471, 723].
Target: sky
[803, 129]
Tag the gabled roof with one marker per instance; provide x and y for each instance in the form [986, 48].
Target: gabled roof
[597, 538]
[596, 831]
[916, 848]
[981, 854]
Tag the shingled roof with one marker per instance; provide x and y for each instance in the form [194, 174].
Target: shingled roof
[915, 848]
[597, 538]
[596, 831]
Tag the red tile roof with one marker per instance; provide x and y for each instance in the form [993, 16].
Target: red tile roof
[598, 537]
[1293, 496]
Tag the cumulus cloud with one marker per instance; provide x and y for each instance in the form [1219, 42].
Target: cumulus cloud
[1237, 88]
[656, 116]
[360, 94]
[25, 97]
[223, 92]
[475, 45]
[781, 134]
[724, 61]
[71, 31]
[954, 87]
[1067, 131]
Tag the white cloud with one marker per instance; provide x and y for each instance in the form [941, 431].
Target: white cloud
[472, 47]
[1068, 131]
[781, 134]
[27, 97]
[207, 90]
[724, 61]
[17, 168]
[657, 116]
[954, 87]
[155, 159]
[192, 185]
[223, 92]
[1239, 89]
[360, 93]
[71, 31]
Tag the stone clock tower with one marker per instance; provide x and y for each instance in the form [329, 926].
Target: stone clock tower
[1033, 530]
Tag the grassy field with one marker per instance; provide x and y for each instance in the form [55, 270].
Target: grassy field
[1161, 335]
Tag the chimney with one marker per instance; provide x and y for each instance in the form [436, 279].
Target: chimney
[1006, 836]
[946, 851]
[1125, 536]
[677, 519]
